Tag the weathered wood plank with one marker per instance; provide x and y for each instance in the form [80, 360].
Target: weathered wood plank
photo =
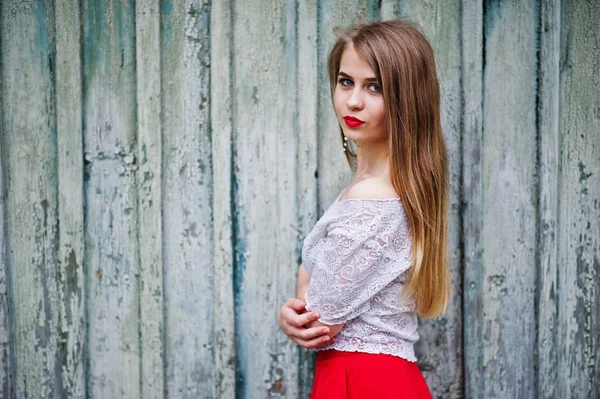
[472, 195]
[149, 178]
[578, 299]
[389, 9]
[307, 128]
[221, 92]
[31, 198]
[6, 378]
[187, 207]
[111, 253]
[440, 348]
[265, 195]
[509, 219]
[71, 278]
[549, 152]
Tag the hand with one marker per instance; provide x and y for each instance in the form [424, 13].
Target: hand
[292, 317]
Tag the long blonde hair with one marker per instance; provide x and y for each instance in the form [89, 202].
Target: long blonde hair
[403, 62]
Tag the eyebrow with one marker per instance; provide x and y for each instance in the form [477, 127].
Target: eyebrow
[348, 76]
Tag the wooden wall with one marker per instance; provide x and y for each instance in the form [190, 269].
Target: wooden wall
[162, 162]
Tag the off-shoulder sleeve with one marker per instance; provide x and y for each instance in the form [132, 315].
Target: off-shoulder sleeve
[366, 248]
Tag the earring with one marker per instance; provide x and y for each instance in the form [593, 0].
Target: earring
[345, 143]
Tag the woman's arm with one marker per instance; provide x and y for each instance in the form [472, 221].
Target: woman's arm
[301, 288]
[302, 283]
[294, 320]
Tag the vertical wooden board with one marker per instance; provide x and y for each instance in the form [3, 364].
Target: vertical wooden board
[111, 244]
[221, 113]
[334, 172]
[510, 199]
[307, 128]
[472, 195]
[6, 379]
[149, 148]
[265, 162]
[70, 198]
[440, 348]
[31, 203]
[549, 152]
[187, 207]
[389, 9]
[578, 239]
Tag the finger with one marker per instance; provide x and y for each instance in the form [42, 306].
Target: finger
[298, 334]
[313, 332]
[316, 342]
[291, 317]
[295, 304]
[305, 318]
[325, 343]
[287, 325]
[293, 332]
[282, 316]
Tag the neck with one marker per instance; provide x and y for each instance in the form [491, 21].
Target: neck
[372, 160]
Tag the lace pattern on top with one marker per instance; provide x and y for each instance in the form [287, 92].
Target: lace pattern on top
[357, 257]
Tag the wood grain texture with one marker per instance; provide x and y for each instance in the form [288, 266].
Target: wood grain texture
[509, 218]
[221, 99]
[440, 350]
[578, 235]
[30, 160]
[307, 170]
[389, 9]
[71, 278]
[187, 199]
[265, 162]
[472, 195]
[549, 152]
[6, 366]
[149, 178]
[110, 195]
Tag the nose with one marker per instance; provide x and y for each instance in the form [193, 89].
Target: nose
[354, 99]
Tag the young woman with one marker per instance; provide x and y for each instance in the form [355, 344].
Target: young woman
[377, 256]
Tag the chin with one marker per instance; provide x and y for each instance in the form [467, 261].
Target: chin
[349, 133]
[353, 136]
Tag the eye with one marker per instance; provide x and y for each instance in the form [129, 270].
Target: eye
[345, 82]
[376, 88]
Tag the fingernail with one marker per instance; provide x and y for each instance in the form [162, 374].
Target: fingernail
[325, 339]
[324, 331]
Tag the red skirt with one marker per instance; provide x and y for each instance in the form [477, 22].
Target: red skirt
[342, 375]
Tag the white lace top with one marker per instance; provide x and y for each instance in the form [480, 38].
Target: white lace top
[357, 257]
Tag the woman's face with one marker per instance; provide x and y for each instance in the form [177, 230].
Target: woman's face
[358, 100]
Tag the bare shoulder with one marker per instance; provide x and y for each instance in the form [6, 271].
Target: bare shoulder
[371, 188]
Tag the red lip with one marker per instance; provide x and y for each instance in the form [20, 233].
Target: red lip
[352, 121]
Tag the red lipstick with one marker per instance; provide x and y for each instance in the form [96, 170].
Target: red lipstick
[352, 121]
